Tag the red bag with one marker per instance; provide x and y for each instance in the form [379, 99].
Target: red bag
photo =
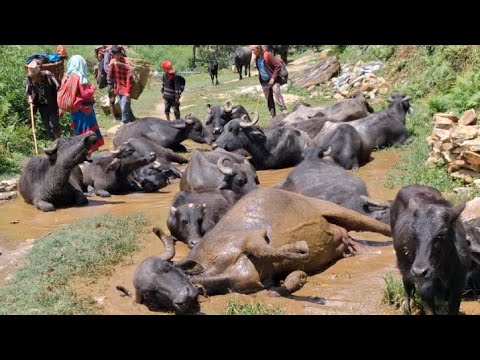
[66, 93]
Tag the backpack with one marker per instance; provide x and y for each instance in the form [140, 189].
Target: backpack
[283, 76]
[66, 93]
[181, 82]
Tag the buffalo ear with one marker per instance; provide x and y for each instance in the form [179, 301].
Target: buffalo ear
[257, 136]
[413, 204]
[113, 166]
[222, 185]
[457, 210]
[190, 267]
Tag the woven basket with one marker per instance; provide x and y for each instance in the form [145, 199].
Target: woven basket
[141, 75]
[56, 69]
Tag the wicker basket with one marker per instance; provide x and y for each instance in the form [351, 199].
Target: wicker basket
[141, 75]
[56, 69]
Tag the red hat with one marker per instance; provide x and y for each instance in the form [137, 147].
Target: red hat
[167, 66]
[62, 51]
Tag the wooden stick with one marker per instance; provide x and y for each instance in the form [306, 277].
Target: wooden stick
[33, 128]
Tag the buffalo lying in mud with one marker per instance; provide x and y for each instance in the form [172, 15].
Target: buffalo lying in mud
[269, 234]
[47, 181]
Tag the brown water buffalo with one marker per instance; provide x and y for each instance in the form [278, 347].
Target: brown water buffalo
[267, 235]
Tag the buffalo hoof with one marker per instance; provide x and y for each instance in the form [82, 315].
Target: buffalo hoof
[44, 206]
[295, 281]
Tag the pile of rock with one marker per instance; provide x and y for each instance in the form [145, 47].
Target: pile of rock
[8, 189]
[456, 142]
[360, 77]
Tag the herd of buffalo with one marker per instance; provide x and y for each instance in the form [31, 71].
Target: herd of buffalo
[245, 239]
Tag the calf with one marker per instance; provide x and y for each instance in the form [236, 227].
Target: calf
[109, 172]
[193, 214]
[213, 70]
[431, 247]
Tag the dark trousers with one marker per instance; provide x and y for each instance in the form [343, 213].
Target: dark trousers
[171, 103]
[50, 120]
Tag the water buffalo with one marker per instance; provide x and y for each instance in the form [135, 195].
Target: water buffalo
[318, 178]
[156, 175]
[161, 286]
[344, 145]
[46, 180]
[354, 108]
[267, 235]
[213, 70]
[270, 148]
[311, 127]
[218, 116]
[282, 50]
[109, 171]
[193, 214]
[431, 247]
[217, 170]
[168, 134]
[384, 128]
[242, 57]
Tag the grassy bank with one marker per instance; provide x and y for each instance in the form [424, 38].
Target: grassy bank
[89, 249]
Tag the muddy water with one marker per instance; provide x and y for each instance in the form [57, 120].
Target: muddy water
[350, 286]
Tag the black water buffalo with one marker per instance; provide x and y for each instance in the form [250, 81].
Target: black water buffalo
[217, 170]
[46, 180]
[320, 179]
[242, 57]
[282, 50]
[268, 235]
[161, 286]
[193, 214]
[354, 108]
[155, 176]
[168, 134]
[218, 116]
[430, 244]
[311, 127]
[344, 146]
[270, 148]
[109, 171]
[384, 128]
[213, 70]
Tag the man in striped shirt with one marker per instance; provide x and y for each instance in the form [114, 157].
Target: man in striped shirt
[120, 80]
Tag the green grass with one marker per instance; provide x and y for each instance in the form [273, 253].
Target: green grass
[87, 249]
[394, 293]
[236, 307]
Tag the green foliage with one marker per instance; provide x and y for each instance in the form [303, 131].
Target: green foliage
[234, 307]
[297, 90]
[86, 248]
[220, 52]
[394, 293]
[179, 55]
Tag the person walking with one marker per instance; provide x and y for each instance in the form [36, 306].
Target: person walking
[120, 82]
[268, 73]
[171, 90]
[83, 115]
[41, 93]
